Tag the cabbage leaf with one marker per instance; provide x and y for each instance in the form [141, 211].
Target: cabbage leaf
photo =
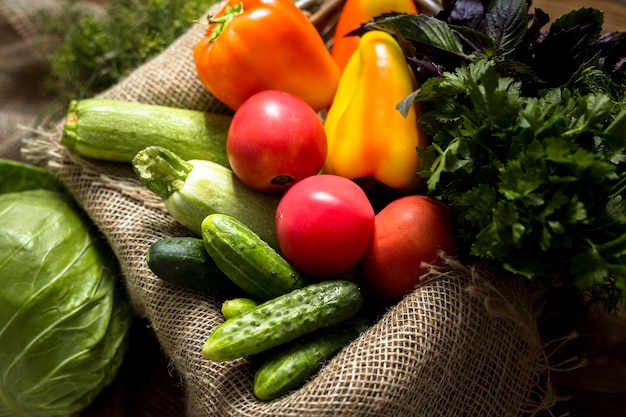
[64, 319]
[19, 176]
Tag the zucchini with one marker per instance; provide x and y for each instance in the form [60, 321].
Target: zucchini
[115, 130]
[191, 190]
[183, 261]
[283, 319]
[247, 259]
[236, 306]
[287, 367]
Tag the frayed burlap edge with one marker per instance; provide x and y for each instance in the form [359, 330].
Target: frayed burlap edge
[498, 303]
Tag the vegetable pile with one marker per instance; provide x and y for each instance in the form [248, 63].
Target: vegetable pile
[528, 132]
[441, 136]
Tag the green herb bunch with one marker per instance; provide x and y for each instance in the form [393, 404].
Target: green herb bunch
[93, 51]
[528, 151]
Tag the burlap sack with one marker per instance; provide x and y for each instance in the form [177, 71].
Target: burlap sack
[457, 346]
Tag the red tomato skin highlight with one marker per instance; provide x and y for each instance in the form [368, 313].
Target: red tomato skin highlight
[275, 140]
[407, 232]
[323, 224]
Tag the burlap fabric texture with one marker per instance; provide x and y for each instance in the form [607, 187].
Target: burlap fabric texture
[456, 346]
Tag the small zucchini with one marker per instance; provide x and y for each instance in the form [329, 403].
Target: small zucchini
[183, 261]
[283, 319]
[191, 190]
[287, 367]
[115, 130]
[247, 259]
[236, 306]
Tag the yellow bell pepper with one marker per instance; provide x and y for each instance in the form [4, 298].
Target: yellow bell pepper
[367, 135]
[356, 12]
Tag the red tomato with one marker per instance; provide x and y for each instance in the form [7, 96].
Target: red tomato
[407, 232]
[323, 225]
[275, 139]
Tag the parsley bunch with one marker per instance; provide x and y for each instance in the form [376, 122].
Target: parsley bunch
[536, 183]
[528, 145]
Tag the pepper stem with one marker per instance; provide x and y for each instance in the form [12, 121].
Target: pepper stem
[221, 22]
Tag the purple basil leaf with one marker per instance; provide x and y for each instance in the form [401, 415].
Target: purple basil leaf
[507, 21]
[588, 20]
[612, 47]
[568, 45]
[538, 20]
[469, 13]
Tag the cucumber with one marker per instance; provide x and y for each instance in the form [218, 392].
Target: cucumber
[247, 259]
[191, 190]
[115, 130]
[288, 366]
[236, 306]
[283, 319]
[183, 261]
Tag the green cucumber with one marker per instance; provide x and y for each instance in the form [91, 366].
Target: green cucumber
[284, 319]
[236, 306]
[247, 259]
[191, 190]
[288, 366]
[115, 130]
[183, 261]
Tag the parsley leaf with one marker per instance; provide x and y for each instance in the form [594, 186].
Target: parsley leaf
[533, 182]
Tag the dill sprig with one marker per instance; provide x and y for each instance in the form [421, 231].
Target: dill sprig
[92, 51]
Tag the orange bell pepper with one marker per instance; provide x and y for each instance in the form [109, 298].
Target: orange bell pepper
[256, 45]
[367, 135]
[353, 15]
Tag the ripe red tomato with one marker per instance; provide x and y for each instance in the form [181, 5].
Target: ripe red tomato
[323, 225]
[407, 232]
[275, 139]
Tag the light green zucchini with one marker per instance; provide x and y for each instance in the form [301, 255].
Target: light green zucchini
[191, 190]
[115, 130]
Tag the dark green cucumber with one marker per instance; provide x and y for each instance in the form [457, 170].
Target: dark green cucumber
[284, 319]
[288, 366]
[183, 261]
[248, 260]
[115, 130]
[236, 306]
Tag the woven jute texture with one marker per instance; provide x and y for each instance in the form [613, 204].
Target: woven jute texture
[461, 344]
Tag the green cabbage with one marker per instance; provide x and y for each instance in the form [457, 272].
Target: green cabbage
[19, 176]
[64, 319]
